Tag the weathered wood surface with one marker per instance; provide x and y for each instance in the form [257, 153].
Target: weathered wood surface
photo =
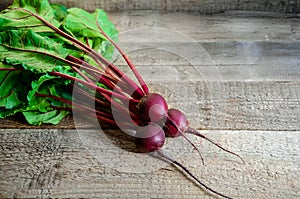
[202, 6]
[257, 59]
[54, 163]
[253, 109]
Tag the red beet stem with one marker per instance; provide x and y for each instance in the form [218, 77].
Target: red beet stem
[102, 91]
[101, 115]
[86, 49]
[128, 61]
[107, 103]
[82, 74]
[117, 76]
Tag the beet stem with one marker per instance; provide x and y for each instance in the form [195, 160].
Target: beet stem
[160, 153]
[79, 44]
[108, 103]
[197, 133]
[82, 64]
[128, 61]
[104, 78]
[61, 108]
[99, 114]
[93, 86]
[92, 53]
[82, 75]
[50, 55]
[98, 101]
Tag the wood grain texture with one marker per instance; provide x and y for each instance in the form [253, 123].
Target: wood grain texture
[232, 26]
[258, 77]
[54, 163]
[247, 99]
[203, 6]
[247, 106]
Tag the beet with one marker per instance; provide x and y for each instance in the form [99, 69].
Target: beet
[153, 108]
[176, 123]
[150, 138]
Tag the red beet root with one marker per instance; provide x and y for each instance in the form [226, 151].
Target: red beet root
[150, 111]
[150, 138]
[177, 118]
[153, 108]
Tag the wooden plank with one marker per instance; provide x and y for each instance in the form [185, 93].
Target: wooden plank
[260, 61]
[221, 105]
[56, 163]
[203, 6]
[248, 99]
[240, 26]
[237, 105]
[242, 64]
[19, 122]
[235, 53]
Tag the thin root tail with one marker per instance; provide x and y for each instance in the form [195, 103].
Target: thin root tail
[197, 133]
[190, 174]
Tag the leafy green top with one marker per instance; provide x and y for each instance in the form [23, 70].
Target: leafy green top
[29, 49]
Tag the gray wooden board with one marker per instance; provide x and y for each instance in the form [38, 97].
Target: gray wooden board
[252, 58]
[233, 26]
[263, 105]
[203, 6]
[243, 93]
[56, 163]
[247, 63]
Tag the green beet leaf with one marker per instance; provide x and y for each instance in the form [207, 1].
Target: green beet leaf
[28, 44]
[40, 109]
[51, 117]
[32, 51]
[60, 11]
[9, 97]
[14, 88]
[45, 86]
[83, 25]
[16, 18]
[41, 7]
